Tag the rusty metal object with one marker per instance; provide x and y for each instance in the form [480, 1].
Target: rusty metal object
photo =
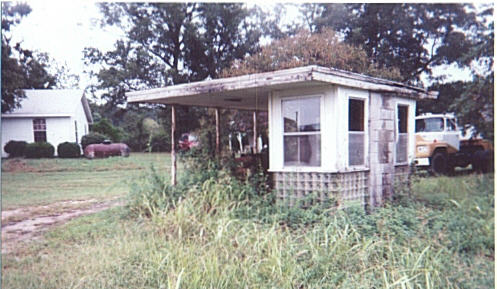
[104, 150]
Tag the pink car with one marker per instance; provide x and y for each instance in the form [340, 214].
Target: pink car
[106, 149]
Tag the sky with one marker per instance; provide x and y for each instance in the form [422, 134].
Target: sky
[64, 28]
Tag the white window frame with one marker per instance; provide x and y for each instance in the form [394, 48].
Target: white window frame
[365, 132]
[39, 127]
[283, 133]
[397, 133]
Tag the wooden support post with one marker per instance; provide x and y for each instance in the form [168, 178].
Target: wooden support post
[218, 151]
[255, 133]
[173, 150]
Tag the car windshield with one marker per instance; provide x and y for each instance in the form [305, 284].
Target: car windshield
[435, 124]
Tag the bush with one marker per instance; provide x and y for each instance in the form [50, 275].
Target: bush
[68, 150]
[105, 127]
[160, 142]
[15, 148]
[38, 150]
[92, 138]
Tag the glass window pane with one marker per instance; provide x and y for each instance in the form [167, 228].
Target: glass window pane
[291, 149]
[302, 150]
[420, 125]
[435, 124]
[356, 115]
[310, 117]
[290, 110]
[301, 114]
[402, 118]
[40, 136]
[39, 124]
[356, 149]
[450, 125]
[401, 148]
[310, 150]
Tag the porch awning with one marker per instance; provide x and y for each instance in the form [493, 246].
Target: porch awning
[251, 91]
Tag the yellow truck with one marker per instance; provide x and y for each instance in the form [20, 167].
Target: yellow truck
[440, 146]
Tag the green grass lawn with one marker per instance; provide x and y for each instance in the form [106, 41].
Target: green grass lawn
[42, 181]
[439, 237]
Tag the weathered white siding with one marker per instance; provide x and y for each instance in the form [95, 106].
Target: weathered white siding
[334, 128]
[59, 130]
[342, 151]
[20, 129]
[82, 124]
[328, 97]
[380, 168]
[63, 111]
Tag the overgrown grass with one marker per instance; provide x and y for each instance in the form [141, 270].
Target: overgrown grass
[43, 181]
[220, 233]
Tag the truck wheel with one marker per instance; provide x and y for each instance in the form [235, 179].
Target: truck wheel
[482, 161]
[438, 165]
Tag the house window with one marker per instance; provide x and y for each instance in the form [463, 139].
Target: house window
[302, 131]
[356, 132]
[40, 130]
[402, 134]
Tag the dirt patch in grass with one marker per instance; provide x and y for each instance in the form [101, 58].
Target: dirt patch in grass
[28, 223]
[22, 166]
[16, 165]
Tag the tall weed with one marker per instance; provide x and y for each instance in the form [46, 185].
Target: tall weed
[218, 231]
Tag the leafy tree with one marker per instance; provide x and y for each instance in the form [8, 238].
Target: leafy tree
[472, 101]
[92, 138]
[21, 68]
[165, 44]
[414, 38]
[475, 105]
[104, 126]
[447, 92]
[170, 43]
[324, 48]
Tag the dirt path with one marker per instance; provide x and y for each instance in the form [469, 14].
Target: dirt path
[28, 223]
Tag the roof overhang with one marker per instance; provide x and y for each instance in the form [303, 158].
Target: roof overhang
[35, 115]
[251, 91]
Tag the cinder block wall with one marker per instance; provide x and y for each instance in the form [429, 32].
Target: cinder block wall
[381, 147]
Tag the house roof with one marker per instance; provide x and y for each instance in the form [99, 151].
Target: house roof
[251, 91]
[51, 103]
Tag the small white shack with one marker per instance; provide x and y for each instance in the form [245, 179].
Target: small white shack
[331, 132]
[47, 115]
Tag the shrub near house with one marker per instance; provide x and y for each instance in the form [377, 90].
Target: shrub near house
[15, 148]
[68, 150]
[93, 138]
[38, 150]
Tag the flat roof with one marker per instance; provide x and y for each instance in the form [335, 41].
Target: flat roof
[251, 91]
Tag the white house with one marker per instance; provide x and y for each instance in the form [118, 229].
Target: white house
[52, 116]
[331, 132]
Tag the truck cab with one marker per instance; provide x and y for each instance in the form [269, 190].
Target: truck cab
[440, 145]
